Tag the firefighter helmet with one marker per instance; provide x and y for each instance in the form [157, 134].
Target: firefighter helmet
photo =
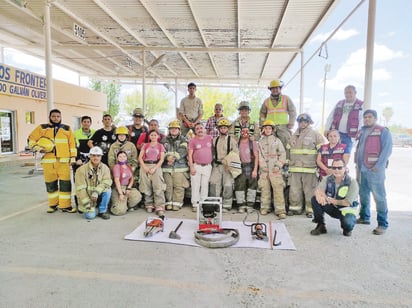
[46, 143]
[275, 83]
[244, 105]
[223, 122]
[304, 117]
[122, 130]
[96, 151]
[268, 123]
[174, 124]
[138, 112]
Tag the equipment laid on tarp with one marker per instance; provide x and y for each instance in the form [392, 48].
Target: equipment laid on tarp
[153, 226]
[258, 230]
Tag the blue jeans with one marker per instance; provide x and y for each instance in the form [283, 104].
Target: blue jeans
[345, 139]
[102, 205]
[373, 182]
[347, 222]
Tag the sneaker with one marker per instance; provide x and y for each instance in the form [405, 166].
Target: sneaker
[149, 209]
[320, 229]
[282, 216]
[176, 208]
[225, 210]
[104, 215]
[169, 207]
[347, 233]
[250, 209]
[361, 221]
[160, 213]
[52, 209]
[69, 210]
[290, 213]
[309, 215]
[379, 230]
[130, 209]
[264, 212]
[241, 210]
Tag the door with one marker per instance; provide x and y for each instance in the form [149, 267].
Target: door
[7, 142]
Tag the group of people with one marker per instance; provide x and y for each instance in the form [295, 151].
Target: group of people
[117, 169]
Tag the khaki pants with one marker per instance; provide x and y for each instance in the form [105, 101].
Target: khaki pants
[153, 186]
[302, 187]
[274, 183]
[176, 182]
[221, 183]
[120, 207]
[58, 183]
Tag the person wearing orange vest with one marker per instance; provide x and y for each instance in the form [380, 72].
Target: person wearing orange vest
[56, 141]
[279, 109]
[304, 145]
[371, 157]
[345, 117]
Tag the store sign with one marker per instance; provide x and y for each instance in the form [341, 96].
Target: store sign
[17, 82]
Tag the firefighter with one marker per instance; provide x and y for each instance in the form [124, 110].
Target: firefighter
[93, 182]
[280, 109]
[221, 179]
[121, 144]
[244, 120]
[175, 167]
[304, 145]
[272, 157]
[56, 141]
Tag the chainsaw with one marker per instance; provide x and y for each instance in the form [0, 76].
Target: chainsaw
[153, 226]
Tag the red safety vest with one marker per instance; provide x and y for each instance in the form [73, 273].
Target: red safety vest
[372, 148]
[353, 117]
[327, 153]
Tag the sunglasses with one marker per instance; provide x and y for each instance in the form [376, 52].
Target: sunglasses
[337, 168]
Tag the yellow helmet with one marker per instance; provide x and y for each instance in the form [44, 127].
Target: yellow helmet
[121, 130]
[268, 123]
[46, 143]
[223, 122]
[275, 83]
[174, 124]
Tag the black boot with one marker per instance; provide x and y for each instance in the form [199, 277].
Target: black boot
[320, 229]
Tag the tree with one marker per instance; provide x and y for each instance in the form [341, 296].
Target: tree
[255, 97]
[212, 96]
[387, 113]
[112, 90]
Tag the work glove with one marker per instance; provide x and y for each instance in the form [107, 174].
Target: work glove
[95, 195]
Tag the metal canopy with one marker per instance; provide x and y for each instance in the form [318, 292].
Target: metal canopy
[210, 41]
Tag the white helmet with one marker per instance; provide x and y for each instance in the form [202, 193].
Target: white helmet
[96, 151]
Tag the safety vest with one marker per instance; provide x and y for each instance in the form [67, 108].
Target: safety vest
[353, 117]
[279, 113]
[372, 148]
[340, 193]
[238, 127]
[82, 139]
[327, 153]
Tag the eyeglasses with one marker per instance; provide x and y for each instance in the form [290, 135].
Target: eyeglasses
[337, 168]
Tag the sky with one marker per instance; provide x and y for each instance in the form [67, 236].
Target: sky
[345, 55]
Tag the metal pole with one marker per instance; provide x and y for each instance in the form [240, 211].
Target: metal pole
[176, 105]
[327, 69]
[302, 81]
[370, 40]
[144, 83]
[48, 55]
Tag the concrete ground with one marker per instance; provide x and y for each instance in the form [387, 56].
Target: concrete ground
[62, 260]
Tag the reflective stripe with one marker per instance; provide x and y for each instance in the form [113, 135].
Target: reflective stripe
[80, 187]
[64, 196]
[303, 151]
[58, 140]
[349, 210]
[64, 160]
[302, 169]
[48, 160]
[53, 195]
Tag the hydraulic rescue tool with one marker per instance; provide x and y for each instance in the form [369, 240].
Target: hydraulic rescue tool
[153, 226]
[258, 230]
[210, 233]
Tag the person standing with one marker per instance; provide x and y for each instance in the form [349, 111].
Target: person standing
[93, 182]
[200, 159]
[144, 137]
[175, 167]
[221, 180]
[56, 141]
[243, 121]
[304, 145]
[104, 137]
[247, 182]
[272, 157]
[336, 195]
[331, 151]
[152, 183]
[82, 137]
[346, 117]
[191, 110]
[211, 124]
[279, 109]
[371, 157]
[138, 127]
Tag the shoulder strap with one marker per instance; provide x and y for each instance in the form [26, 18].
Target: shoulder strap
[215, 148]
[228, 144]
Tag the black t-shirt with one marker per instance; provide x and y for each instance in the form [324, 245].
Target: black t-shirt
[134, 133]
[103, 139]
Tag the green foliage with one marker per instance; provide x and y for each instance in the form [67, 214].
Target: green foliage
[387, 113]
[112, 91]
[255, 97]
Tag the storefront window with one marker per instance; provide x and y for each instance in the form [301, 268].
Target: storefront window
[30, 117]
[6, 132]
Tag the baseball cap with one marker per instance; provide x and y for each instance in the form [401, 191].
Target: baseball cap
[138, 112]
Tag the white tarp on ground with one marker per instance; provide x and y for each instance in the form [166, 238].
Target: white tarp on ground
[187, 229]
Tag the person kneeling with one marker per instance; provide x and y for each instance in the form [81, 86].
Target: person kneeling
[124, 196]
[93, 182]
[336, 195]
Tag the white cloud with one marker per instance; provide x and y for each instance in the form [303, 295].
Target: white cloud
[353, 69]
[340, 35]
